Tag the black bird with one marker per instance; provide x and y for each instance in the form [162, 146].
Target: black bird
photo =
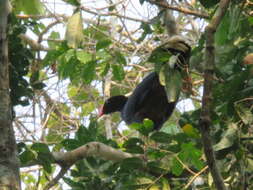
[148, 100]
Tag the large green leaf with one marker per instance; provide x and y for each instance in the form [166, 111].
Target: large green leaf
[221, 36]
[118, 72]
[40, 147]
[228, 138]
[244, 113]
[33, 7]
[172, 80]
[83, 56]
[88, 71]
[190, 154]
[74, 32]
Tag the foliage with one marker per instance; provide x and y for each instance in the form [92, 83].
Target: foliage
[77, 70]
[20, 58]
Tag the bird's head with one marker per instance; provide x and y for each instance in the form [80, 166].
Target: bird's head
[178, 44]
[113, 104]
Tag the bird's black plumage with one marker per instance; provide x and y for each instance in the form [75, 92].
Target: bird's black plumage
[148, 100]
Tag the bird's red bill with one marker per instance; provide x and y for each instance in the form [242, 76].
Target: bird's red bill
[100, 112]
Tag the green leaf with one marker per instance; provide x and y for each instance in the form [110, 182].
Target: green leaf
[40, 147]
[67, 69]
[155, 154]
[33, 7]
[104, 68]
[103, 44]
[228, 138]
[157, 167]
[148, 125]
[120, 59]
[173, 82]
[221, 35]
[53, 35]
[87, 108]
[133, 145]
[26, 156]
[208, 3]
[250, 19]
[171, 129]
[159, 56]
[88, 71]
[118, 72]
[131, 164]
[46, 160]
[191, 155]
[161, 137]
[143, 129]
[69, 54]
[82, 56]
[75, 185]
[74, 32]
[136, 126]
[147, 30]
[244, 113]
[70, 144]
[165, 183]
[177, 167]
[53, 137]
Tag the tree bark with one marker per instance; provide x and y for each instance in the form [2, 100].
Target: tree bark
[205, 118]
[9, 164]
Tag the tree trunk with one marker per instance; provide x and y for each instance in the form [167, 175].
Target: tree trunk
[9, 164]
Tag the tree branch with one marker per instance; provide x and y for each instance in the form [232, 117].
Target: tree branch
[34, 45]
[97, 149]
[56, 178]
[113, 14]
[183, 10]
[205, 120]
[91, 149]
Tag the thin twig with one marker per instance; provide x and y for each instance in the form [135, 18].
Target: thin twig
[57, 178]
[113, 14]
[179, 9]
[195, 176]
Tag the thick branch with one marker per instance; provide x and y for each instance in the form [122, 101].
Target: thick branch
[97, 149]
[66, 159]
[91, 149]
[9, 164]
[205, 121]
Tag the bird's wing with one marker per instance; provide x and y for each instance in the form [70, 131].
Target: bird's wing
[135, 101]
